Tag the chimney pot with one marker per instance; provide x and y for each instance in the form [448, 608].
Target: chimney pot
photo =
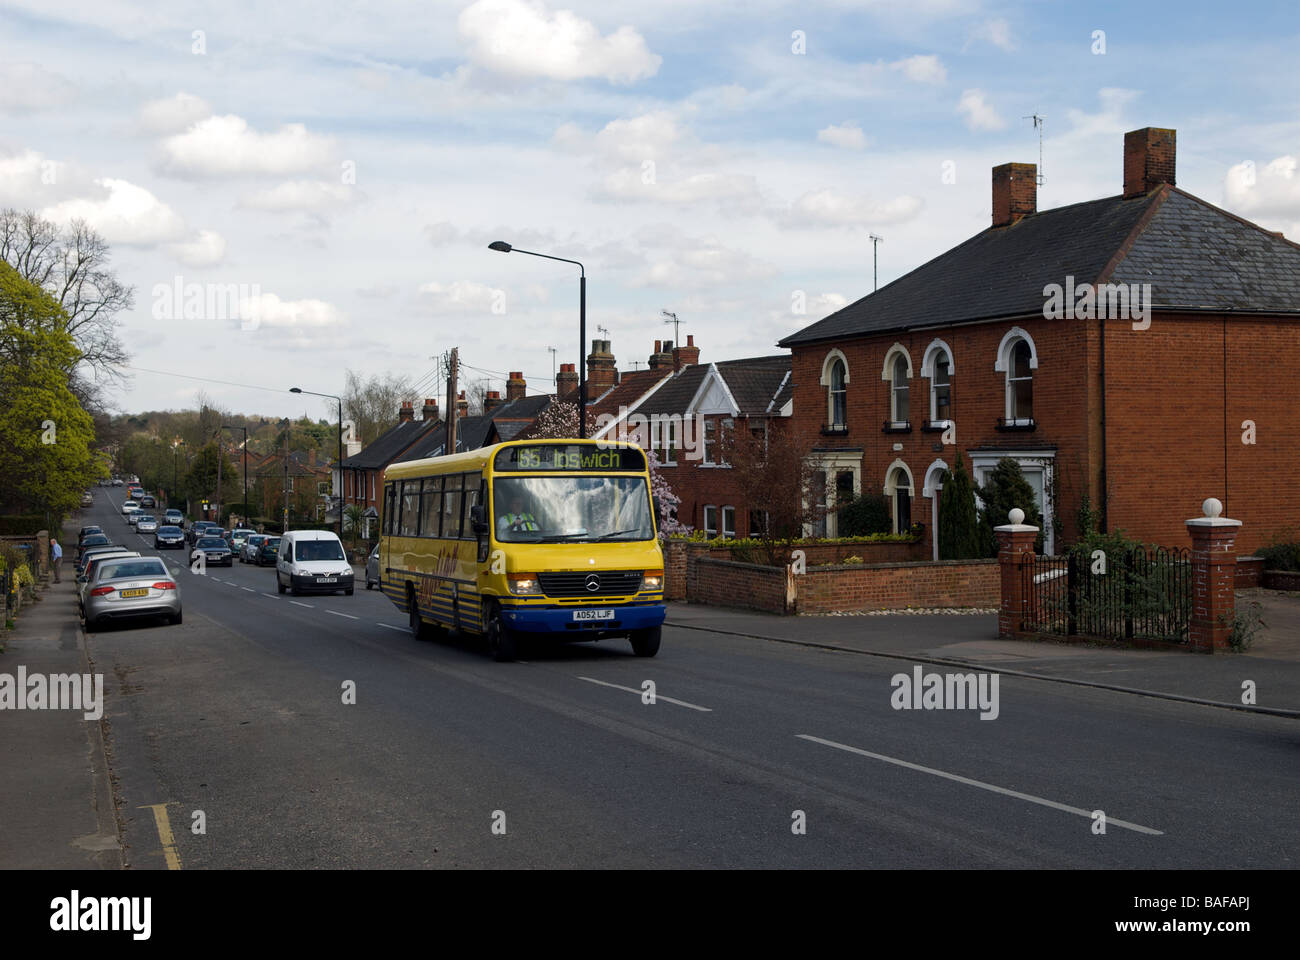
[516, 386]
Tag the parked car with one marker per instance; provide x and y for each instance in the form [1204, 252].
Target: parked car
[131, 587]
[94, 551]
[106, 483]
[268, 551]
[91, 540]
[248, 552]
[238, 536]
[167, 537]
[87, 499]
[216, 552]
[372, 569]
[312, 560]
[174, 518]
[89, 572]
[87, 531]
[146, 523]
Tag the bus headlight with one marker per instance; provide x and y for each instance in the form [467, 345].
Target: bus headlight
[524, 584]
[652, 580]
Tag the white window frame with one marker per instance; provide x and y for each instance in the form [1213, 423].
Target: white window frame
[1005, 366]
[710, 510]
[827, 381]
[933, 488]
[936, 350]
[982, 463]
[833, 464]
[891, 489]
[728, 529]
[887, 375]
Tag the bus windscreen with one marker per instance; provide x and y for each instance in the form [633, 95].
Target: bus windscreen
[566, 509]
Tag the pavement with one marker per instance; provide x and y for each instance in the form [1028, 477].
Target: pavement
[1272, 664]
[55, 799]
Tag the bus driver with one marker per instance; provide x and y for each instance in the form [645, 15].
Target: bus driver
[516, 518]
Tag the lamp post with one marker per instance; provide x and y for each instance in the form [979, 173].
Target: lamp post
[230, 426]
[340, 457]
[503, 247]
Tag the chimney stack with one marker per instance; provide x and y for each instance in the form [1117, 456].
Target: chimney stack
[1149, 156]
[1015, 192]
[407, 412]
[462, 404]
[687, 355]
[601, 370]
[492, 400]
[662, 356]
[430, 410]
[516, 387]
[566, 381]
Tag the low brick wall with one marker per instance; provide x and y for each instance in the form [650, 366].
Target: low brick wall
[1280, 580]
[1250, 572]
[880, 586]
[679, 555]
[725, 583]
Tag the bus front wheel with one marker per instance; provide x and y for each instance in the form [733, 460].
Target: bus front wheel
[645, 643]
[500, 638]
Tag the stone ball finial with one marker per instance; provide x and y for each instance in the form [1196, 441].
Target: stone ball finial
[1212, 508]
[1016, 516]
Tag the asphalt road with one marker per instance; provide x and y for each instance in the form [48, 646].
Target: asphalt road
[239, 713]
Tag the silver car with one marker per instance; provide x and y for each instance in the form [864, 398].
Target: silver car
[146, 523]
[131, 587]
[92, 564]
[252, 543]
[372, 569]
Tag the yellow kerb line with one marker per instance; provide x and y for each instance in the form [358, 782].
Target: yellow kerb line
[165, 834]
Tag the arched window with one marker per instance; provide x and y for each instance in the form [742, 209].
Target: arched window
[839, 395]
[1020, 385]
[940, 389]
[898, 487]
[899, 406]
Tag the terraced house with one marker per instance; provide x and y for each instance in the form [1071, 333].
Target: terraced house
[1139, 350]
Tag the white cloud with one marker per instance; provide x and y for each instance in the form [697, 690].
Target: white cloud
[123, 212]
[300, 315]
[687, 263]
[922, 68]
[849, 136]
[309, 195]
[1272, 192]
[460, 296]
[827, 208]
[978, 113]
[521, 38]
[174, 113]
[625, 140]
[205, 249]
[997, 32]
[28, 87]
[226, 146]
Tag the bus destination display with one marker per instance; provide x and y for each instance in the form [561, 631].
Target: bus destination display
[570, 456]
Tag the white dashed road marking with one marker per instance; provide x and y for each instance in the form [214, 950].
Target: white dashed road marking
[658, 696]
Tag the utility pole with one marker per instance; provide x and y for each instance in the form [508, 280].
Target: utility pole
[284, 527]
[875, 240]
[218, 497]
[553, 352]
[453, 361]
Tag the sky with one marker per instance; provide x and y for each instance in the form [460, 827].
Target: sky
[319, 182]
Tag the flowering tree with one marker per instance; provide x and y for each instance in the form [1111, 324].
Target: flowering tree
[559, 421]
[665, 500]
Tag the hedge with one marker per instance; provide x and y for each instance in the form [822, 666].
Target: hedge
[21, 524]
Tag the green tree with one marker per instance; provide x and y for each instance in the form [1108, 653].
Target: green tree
[46, 460]
[864, 515]
[200, 482]
[1005, 488]
[960, 535]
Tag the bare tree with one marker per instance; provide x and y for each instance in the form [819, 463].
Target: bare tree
[72, 265]
[476, 392]
[773, 475]
[372, 404]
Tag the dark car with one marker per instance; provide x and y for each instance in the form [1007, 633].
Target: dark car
[197, 529]
[87, 531]
[216, 552]
[91, 540]
[169, 537]
[148, 501]
[268, 551]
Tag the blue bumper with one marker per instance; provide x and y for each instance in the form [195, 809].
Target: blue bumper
[559, 620]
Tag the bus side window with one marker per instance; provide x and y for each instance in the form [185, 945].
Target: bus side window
[390, 504]
[432, 509]
[473, 485]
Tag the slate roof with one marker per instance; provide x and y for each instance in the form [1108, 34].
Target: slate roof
[471, 433]
[1195, 256]
[754, 381]
[388, 445]
[674, 395]
[631, 387]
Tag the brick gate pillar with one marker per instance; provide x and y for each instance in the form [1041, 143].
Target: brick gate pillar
[1015, 541]
[1214, 576]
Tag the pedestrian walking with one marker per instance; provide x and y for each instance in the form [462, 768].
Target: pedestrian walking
[56, 552]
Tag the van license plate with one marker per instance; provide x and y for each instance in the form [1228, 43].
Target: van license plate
[327, 579]
[593, 614]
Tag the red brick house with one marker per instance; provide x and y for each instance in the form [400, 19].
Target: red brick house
[1139, 350]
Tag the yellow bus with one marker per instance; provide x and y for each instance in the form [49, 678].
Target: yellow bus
[551, 539]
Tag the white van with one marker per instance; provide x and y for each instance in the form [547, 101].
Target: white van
[312, 561]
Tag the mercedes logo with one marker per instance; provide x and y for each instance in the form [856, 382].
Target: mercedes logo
[593, 583]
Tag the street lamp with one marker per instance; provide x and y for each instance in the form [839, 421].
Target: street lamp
[340, 457]
[175, 469]
[231, 426]
[503, 247]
